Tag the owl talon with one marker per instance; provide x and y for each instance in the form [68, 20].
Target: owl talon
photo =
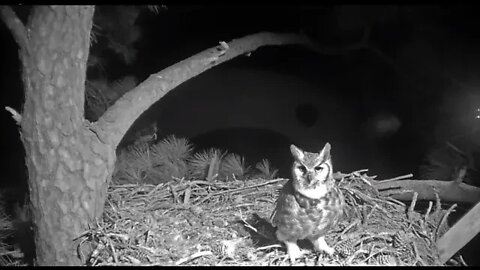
[293, 251]
[320, 245]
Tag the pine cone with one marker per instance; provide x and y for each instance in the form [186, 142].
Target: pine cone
[401, 241]
[345, 248]
[388, 260]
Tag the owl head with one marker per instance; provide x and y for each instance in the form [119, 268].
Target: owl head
[312, 172]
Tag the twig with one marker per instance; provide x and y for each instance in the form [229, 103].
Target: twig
[175, 196]
[155, 189]
[444, 219]
[269, 247]
[186, 198]
[462, 261]
[246, 224]
[430, 204]
[15, 115]
[418, 258]
[365, 180]
[365, 220]
[194, 256]
[438, 204]
[350, 226]
[16, 26]
[395, 200]
[412, 206]
[114, 253]
[397, 178]
[200, 182]
[357, 173]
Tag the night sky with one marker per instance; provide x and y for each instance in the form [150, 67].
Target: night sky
[384, 107]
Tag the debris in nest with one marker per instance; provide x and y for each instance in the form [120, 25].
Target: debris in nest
[227, 223]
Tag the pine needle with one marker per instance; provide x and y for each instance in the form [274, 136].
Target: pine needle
[266, 170]
[233, 166]
[201, 162]
[172, 148]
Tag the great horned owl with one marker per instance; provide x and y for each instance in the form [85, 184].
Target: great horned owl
[309, 204]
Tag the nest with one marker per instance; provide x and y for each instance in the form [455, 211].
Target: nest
[227, 223]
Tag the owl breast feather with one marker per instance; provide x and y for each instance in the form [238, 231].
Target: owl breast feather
[310, 221]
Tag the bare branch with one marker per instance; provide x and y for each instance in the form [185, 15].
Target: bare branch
[15, 115]
[15, 25]
[118, 118]
[447, 190]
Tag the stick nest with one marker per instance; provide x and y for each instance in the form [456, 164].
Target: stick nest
[227, 223]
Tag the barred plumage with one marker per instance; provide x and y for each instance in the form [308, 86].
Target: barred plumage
[310, 204]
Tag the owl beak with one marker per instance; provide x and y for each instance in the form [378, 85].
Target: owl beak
[309, 178]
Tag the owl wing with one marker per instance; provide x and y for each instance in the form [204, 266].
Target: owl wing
[280, 203]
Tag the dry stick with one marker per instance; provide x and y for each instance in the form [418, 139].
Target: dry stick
[418, 258]
[114, 253]
[239, 189]
[358, 172]
[395, 200]
[350, 226]
[269, 247]
[175, 196]
[193, 256]
[155, 189]
[365, 180]
[197, 182]
[412, 206]
[430, 204]
[371, 212]
[186, 198]
[444, 219]
[462, 261]
[371, 200]
[397, 178]
[438, 204]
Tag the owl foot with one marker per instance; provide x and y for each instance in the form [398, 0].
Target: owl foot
[320, 245]
[293, 251]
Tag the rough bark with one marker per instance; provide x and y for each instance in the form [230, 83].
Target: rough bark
[67, 165]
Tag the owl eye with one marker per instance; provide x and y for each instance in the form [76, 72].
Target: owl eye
[318, 168]
[302, 168]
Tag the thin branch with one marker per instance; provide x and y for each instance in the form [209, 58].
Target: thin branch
[193, 256]
[15, 25]
[119, 117]
[15, 115]
[114, 123]
[397, 178]
[412, 206]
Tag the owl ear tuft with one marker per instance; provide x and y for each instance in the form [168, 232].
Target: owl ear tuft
[296, 152]
[326, 151]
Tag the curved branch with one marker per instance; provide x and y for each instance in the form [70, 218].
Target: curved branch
[448, 191]
[15, 25]
[114, 123]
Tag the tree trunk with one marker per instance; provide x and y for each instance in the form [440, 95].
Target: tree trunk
[67, 164]
[69, 159]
